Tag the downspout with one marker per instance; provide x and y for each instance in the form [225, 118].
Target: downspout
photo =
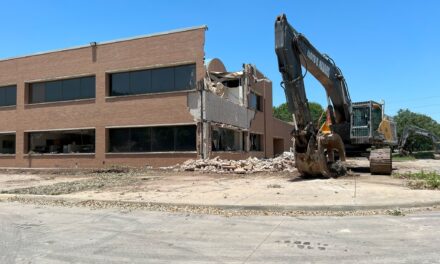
[264, 114]
[202, 124]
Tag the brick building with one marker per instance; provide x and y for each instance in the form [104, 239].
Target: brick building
[149, 100]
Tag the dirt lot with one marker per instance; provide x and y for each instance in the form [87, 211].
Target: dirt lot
[259, 189]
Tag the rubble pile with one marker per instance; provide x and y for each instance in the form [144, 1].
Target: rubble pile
[284, 162]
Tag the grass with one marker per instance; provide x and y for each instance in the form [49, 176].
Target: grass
[396, 212]
[397, 157]
[414, 156]
[421, 179]
[274, 186]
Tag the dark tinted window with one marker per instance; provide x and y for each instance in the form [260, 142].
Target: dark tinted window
[163, 139]
[140, 139]
[7, 143]
[37, 93]
[53, 91]
[185, 138]
[70, 89]
[158, 139]
[87, 87]
[119, 140]
[163, 80]
[153, 81]
[8, 95]
[140, 82]
[120, 83]
[62, 90]
[185, 77]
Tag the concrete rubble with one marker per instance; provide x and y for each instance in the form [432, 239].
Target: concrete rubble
[284, 162]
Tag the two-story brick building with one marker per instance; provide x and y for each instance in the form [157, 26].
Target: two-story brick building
[148, 100]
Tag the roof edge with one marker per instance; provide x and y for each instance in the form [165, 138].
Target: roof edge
[107, 42]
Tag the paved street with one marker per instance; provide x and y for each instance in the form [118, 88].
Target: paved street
[35, 234]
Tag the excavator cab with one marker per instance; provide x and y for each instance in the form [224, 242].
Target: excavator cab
[370, 126]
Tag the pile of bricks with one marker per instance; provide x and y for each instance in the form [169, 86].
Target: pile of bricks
[284, 162]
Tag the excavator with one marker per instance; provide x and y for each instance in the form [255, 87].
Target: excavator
[414, 130]
[351, 128]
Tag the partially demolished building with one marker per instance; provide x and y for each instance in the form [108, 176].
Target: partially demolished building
[149, 100]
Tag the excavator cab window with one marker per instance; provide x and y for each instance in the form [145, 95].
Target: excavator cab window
[376, 117]
[361, 121]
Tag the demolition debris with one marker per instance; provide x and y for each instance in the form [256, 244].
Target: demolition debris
[284, 162]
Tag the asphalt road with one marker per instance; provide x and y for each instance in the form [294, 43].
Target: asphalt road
[33, 234]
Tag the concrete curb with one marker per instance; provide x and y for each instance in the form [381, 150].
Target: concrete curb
[262, 208]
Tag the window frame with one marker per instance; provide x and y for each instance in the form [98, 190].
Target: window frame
[259, 101]
[261, 144]
[150, 140]
[153, 90]
[30, 86]
[13, 133]
[29, 152]
[5, 89]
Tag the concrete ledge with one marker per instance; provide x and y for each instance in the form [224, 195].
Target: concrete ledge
[182, 207]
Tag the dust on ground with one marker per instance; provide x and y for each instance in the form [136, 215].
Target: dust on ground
[158, 187]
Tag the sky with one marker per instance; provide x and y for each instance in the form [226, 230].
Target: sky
[387, 50]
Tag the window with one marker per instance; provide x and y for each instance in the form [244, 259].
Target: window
[8, 95]
[226, 139]
[179, 78]
[62, 142]
[163, 139]
[255, 101]
[255, 142]
[62, 90]
[7, 143]
[152, 139]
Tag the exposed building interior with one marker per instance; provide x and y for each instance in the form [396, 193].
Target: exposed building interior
[62, 142]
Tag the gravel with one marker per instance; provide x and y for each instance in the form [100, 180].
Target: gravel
[100, 181]
[210, 210]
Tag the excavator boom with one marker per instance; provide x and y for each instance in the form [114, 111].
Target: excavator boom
[348, 124]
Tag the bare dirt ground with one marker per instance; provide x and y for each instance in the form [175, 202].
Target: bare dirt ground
[284, 189]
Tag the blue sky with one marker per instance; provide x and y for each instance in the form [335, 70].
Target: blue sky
[387, 50]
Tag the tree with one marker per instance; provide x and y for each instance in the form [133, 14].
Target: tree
[405, 117]
[282, 112]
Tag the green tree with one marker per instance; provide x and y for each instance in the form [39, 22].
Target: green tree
[282, 112]
[405, 117]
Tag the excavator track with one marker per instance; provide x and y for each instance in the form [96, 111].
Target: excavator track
[381, 161]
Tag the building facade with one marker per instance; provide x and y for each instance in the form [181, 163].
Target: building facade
[150, 100]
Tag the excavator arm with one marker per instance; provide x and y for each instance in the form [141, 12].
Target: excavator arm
[293, 51]
[413, 130]
[314, 151]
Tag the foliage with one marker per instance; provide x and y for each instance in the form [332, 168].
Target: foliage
[421, 179]
[405, 117]
[282, 112]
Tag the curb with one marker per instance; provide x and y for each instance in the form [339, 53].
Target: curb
[258, 208]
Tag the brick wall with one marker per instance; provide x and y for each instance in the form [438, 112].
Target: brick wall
[149, 52]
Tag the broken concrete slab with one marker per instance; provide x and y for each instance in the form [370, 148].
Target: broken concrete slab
[284, 162]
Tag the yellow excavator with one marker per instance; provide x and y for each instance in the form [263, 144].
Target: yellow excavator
[351, 128]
